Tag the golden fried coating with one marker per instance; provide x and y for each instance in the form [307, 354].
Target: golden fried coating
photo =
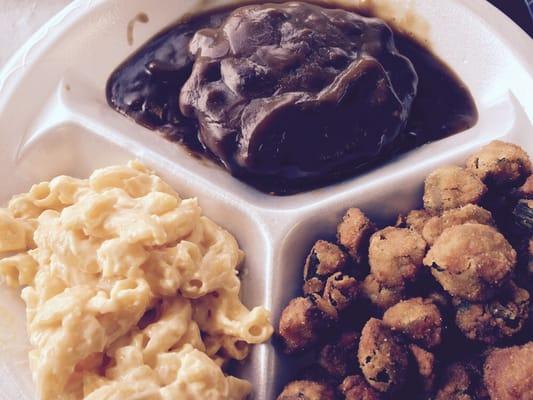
[396, 255]
[452, 187]
[461, 381]
[501, 317]
[425, 362]
[307, 390]
[500, 163]
[339, 359]
[471, 261]
[353, 233]
[324, 259]
[379, 295]
[341, 291]
[508, 373]
[382, 358]
[418, 319]
[458, 216]
[354, 387]
[446, 283]
[314, 285]
[303, 321]
[415, 220]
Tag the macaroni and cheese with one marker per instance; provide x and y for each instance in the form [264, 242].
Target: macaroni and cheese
[130, 292]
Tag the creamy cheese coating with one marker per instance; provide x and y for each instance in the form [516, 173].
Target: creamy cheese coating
[131, 293]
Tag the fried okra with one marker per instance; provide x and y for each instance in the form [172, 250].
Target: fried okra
[452, 187]
[324, 259]
[461, 381]
[307, 390]
[313, 286]
[396, 255]
[437, 323]
[500, 163]
[501, 317]
[471, 261]
[355, 387]
[339, 359]
[508, 373]
[379, 295]
[425, 365]
[383, 359]
[353, 233]
[341, 291]
[458, 216]
[304, 320]
[418, 319]
[415, 220]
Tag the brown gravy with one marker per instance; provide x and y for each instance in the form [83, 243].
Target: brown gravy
[147, 86]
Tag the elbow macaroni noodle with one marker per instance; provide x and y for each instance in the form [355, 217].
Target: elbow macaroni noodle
[130, 292]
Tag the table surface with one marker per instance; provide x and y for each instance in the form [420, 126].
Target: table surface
[20, 18]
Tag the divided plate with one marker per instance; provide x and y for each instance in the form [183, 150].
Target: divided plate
[54, 119]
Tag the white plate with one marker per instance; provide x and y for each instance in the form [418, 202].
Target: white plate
[54, 119]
